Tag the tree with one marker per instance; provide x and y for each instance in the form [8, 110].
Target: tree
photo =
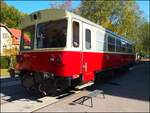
[144, 40]
[10, 16]
[66, 5]
[122, 17]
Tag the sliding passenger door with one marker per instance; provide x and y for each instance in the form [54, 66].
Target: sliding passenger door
[87, 55]
[76, 47]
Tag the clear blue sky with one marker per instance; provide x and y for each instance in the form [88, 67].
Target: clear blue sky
[144, 6]
[31, 6]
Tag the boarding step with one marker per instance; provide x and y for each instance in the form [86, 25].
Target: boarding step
[84, 85]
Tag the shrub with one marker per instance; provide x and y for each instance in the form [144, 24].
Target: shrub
[5, 61]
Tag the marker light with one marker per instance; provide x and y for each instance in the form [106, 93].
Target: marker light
[58, 60]
[51, 59]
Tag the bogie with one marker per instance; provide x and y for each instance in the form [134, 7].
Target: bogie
[45, 83]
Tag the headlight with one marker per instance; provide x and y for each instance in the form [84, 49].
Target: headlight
[51, 59]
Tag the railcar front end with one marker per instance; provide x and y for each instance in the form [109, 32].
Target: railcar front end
[45, 63]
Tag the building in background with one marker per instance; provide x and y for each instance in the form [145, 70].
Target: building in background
[9, 40]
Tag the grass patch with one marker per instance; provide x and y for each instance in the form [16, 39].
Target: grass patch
[4, 72]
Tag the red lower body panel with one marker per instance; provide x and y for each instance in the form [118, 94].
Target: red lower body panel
[72, 62]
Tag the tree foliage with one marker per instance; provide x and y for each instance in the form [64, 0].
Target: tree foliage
[9, 15]
[144, 38]
[121, 17]
[65, 5]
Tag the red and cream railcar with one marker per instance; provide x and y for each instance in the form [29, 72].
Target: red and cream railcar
[67, 50]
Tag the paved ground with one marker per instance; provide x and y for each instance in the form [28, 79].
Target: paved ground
[14, 97]
[128, 92]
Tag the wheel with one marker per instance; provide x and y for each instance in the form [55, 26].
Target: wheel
[48, 87]
[28, 83]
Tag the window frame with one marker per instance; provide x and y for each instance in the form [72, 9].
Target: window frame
[36, 35]
[5, 35]
[73, 34]
[111, 43]
[129, 48]
[88, 40]
[123, 46]
[118, 45]
[32, 40]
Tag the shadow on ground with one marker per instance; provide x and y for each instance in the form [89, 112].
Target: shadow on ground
[128, 84]
[18, 92]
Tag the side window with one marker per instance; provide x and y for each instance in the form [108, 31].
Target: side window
[133, 48]
[105, 43]
[87, 39]
[118, 45]
[5, 35]
[75, 34]
[99, 41]
[123, 45]
[111, 43]
[129, 48]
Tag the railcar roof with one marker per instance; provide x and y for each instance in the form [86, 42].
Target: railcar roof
[42, 16]
[60, 13]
